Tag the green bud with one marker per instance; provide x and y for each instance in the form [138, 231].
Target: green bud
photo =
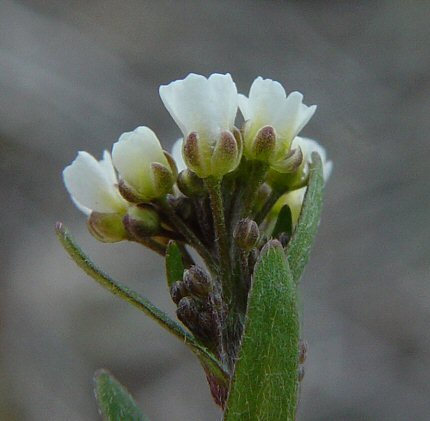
[163, 179]
[246, 234]
[107, 227]
[142, 221]
[190, 184]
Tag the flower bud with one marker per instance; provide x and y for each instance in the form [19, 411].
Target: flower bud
[146, 172]
[142, 221]
[107, 227]
[189, 184]
[188, 312]
[177, 291]
[197, 281]
[246, 234]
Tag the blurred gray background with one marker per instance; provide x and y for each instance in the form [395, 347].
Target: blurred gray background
[74, 75]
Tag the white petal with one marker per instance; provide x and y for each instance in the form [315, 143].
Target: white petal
[177, 155]
[203, 105]
[308, 146]
[90, 186]
[133, 154]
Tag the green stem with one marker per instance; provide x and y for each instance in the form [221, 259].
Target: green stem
[270, 202]
[254, 182]
[189, 235]
[221, 237]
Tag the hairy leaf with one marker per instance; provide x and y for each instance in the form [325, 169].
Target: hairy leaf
[115, 403]
[299, 247]
[265, 382]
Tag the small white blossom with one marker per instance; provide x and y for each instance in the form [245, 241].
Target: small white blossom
[142, 164]
[269, 106]
[308, 146]
[294, 199]
[92, 184]
[205, 110]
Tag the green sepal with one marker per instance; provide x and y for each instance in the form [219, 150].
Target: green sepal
[299, 247]
[174, 264]
[114, 401]
[265, 382]
[284, 223]
[207, 359]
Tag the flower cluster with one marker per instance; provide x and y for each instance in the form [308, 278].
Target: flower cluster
[220, 193]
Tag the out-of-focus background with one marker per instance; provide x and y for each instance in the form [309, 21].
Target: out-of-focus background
[74, 75]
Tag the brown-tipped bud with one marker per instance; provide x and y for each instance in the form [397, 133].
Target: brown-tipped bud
[142, 221]
[188, 312]
[226, 155]
[178, 291]
[107, 227]
[303, 351]
[264, 144]
[162, 178]
[290, 163]
[197, 281]
[190, 184]
[246, 234]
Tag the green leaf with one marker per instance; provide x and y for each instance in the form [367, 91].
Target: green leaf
[284, 222]
[174, 264]
[265, 382]
[207, 359]
[115, 403]
[299, 247]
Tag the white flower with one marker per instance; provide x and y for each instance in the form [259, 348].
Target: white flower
[308, 146]
[142, 164]
[294, 199]
[268, 105]
[92, 184]
[205, 110]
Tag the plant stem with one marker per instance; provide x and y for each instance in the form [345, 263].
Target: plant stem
[189, 235]
[221, 237]
[254, 181]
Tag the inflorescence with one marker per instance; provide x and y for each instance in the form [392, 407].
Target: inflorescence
[220, 193]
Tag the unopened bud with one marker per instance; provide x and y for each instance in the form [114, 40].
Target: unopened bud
[197, 281]
[190, 184]
[246, 234]
[226, 155]
[162, 178]
[188, 312]
[107, 227]
[142, 221]
[177, 291]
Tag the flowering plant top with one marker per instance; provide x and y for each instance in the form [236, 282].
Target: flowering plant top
[246, 199]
